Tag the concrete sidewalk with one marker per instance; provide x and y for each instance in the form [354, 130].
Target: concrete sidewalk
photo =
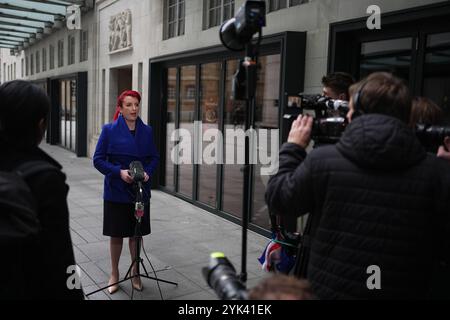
[182, 238]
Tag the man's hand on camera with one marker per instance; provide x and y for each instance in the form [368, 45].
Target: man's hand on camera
[125, 175]
[444, 154]
[301, 131]
[146, 177]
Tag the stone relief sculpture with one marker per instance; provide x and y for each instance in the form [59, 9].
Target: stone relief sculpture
[120, 31]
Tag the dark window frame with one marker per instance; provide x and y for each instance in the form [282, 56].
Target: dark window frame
[292, 48]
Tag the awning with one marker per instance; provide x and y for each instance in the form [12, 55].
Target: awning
[23, 22]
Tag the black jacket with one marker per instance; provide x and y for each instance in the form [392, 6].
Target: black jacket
[44, 273]
[376, 198]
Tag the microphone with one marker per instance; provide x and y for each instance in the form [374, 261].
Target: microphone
[137, 171]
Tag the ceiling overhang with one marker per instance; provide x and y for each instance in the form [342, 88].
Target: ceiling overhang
[22, 22]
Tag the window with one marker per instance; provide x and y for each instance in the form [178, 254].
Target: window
[60, 53]
[216, 12]
[71, 50]
[83, 46]
[52, 56]
[14, 72]
[274, 5]
[22, 67]
[44, 59]
[26, 66]
[174, 13]
[38, 62]
[31, 64]
[422, 61]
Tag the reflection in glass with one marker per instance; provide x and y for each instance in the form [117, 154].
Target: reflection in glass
[170, 125]
[73, 114]
[187, 113]
[436, 81]
[234, 118]
[387, 55]
[67, 115]
[62, 102]
[266, 119]
[209, 109]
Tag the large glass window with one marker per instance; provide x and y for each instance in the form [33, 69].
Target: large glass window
[170, 126]
[387, 55]
[68, 113]
[436, 78]
[187, 117]
[234, 119]
[209, 111]
[197, 92]
[266, 120]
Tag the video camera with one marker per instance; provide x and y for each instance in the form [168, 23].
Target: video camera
[329, 116]
[432, 137]
[222, 278]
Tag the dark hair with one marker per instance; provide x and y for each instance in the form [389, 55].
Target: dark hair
[340, 82]
[425, 111]
[282, 287]
[383, 93]
[22, 106]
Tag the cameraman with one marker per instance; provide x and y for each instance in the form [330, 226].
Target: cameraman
[376, 199]
[425, 111]
[336, 85]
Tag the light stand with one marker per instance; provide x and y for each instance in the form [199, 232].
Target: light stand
[251, 67]
[138, 213]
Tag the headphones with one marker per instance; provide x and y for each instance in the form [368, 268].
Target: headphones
[357, 107]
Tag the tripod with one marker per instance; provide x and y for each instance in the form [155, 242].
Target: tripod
[137, 260]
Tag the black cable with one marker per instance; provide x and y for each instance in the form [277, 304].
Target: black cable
[154, 272]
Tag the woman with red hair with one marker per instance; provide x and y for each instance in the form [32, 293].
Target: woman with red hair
[125, 140]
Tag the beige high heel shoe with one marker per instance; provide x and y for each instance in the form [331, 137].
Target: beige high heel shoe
[113, 289]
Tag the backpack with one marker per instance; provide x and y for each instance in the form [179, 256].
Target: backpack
[19, 227]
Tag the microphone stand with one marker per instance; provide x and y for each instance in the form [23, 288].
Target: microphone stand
[137, 261]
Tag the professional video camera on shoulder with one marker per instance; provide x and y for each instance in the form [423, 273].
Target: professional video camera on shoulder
[329, 116]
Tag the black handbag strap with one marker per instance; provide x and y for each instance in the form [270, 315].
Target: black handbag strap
[302, 260]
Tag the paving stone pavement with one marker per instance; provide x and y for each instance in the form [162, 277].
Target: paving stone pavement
[182, 238]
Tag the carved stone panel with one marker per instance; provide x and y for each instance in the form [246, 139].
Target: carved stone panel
[120, 32]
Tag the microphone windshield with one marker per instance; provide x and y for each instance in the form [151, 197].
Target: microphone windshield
[137, 171]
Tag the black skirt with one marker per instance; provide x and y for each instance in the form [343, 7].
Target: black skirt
[119, 220]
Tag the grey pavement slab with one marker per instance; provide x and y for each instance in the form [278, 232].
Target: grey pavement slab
[182, 239]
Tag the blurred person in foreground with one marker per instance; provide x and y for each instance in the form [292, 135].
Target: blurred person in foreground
[34, 267]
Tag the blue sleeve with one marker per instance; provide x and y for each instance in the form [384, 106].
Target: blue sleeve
[100, 156]
[150, 166]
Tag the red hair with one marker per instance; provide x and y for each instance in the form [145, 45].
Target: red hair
[123, 95]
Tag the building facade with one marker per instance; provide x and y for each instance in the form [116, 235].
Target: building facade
[170, 51]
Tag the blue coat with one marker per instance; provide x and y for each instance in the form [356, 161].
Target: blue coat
[116, 149]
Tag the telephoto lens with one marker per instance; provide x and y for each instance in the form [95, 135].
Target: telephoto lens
[221, 277]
